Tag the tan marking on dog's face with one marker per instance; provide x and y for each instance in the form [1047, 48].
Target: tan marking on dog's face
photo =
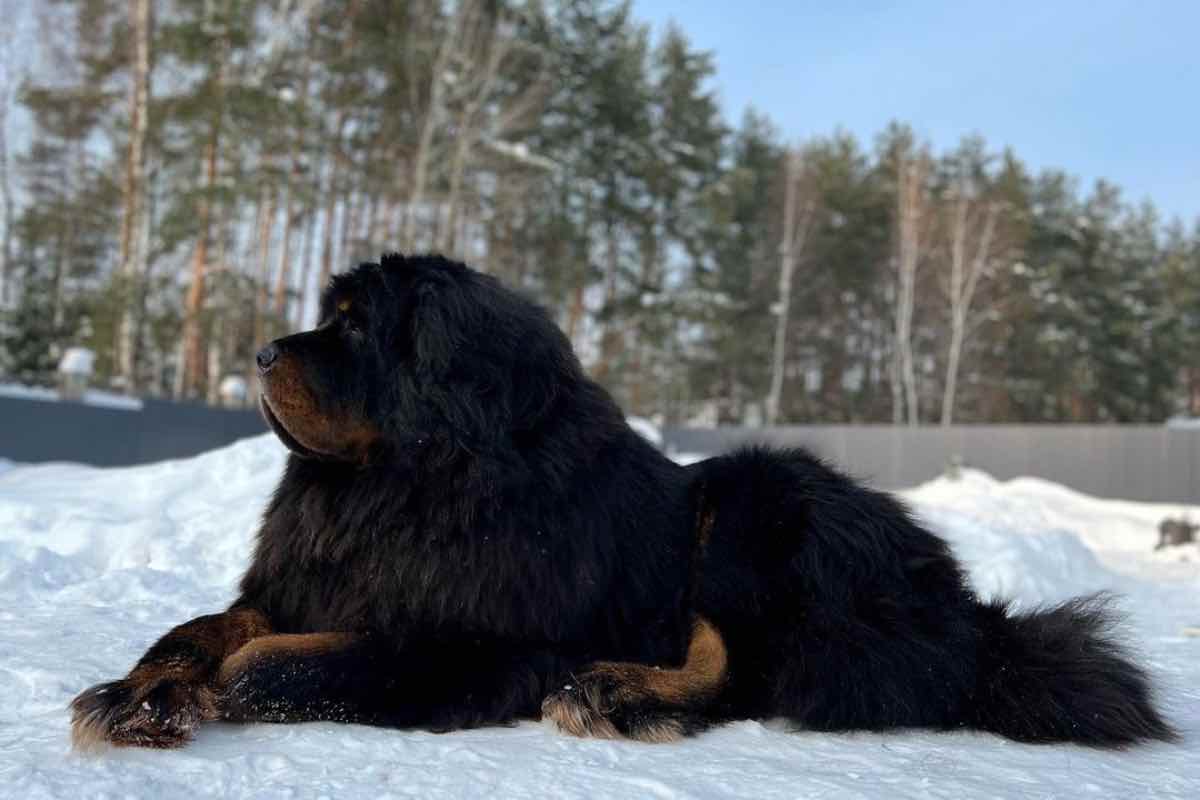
[281, 645]
[289, 401]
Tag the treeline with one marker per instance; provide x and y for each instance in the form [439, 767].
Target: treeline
[194, 170]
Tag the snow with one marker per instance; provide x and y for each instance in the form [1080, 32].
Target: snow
[77, 361]
[97, 563]
[91, 397]
[519, 152]
[233, 388]
[647, 430]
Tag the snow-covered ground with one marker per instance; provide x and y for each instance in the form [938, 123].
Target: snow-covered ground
[91, 397]
[96, 563]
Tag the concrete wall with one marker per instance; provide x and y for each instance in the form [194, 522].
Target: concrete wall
[1134, 462]
[34, 431]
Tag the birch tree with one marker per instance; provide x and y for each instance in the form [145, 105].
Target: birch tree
[913, 221]
[799, 209]
[487, 116]
[134, 244]
[433, 116]
[971, 256]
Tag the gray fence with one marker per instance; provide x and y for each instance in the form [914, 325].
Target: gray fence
[1133, 462]
[33, 431]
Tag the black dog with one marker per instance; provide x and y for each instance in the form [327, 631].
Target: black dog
[468, 533]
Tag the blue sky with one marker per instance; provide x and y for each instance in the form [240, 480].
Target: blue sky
[1099, 89]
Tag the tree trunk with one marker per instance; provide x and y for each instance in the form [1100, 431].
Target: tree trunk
[964, 279]
[897, 388]
[296, 320]
[219, 344]
[193, 343]
[350, 211]
[385, 235]
[250, 253]
[364, 224]
[215, 364]
[262, 303]
[283, 275]
[66, 251]
[911, 203]
[788, 252]
[797, 225]
[331, 199]
[376, 239]
[296, 147]
[194, 363]
[143, 288]
[575, 313]
[468, 132]
[957, 325]
[430, 123]
[610, 337]
[5, 196]
[132, 267]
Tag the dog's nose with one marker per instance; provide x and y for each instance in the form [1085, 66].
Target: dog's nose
[266, 357]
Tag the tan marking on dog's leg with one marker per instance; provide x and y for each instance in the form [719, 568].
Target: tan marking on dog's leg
[699, 679]
[281, 645]
[585, 709]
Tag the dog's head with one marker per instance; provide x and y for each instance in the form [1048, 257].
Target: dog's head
[411, 351]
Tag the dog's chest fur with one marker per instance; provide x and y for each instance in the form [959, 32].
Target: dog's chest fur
[345, 556]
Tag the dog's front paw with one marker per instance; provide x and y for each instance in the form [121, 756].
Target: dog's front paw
[161, 713]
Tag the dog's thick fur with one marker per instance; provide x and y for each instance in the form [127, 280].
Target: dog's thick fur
[468, 533]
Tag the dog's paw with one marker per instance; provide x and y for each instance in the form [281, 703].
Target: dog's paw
[599, 705]
[577, 708]
[162, 713]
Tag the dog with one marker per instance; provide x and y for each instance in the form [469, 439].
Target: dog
[468, 533]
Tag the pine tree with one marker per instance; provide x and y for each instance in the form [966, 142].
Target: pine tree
[735, 284]
[65, 232]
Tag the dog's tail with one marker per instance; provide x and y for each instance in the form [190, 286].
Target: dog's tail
[1057, 674]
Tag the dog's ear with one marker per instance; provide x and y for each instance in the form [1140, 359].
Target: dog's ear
[488, 364]
[461, 361]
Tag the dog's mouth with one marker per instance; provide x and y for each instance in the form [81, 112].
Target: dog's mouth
[289, 441]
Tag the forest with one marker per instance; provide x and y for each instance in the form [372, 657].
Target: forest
[179, 178]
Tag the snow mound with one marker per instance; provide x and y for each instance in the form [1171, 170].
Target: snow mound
[1122, 534]
[190, 517]
[95, 564]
